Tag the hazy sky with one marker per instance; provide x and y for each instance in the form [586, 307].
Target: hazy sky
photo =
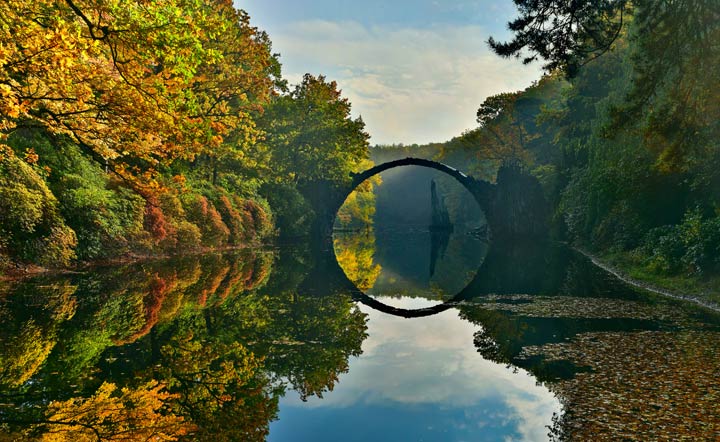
[415, 70]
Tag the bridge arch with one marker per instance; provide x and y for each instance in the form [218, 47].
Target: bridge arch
[480, 190]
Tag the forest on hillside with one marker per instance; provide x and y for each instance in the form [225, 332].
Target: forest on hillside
[135, 129]
[622, 132]
[152, 128]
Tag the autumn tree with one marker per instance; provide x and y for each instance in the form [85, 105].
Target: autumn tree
[502, 136]
[358, 209]
[135, 84]
[354, 254]
[112, 415]
[219, 387]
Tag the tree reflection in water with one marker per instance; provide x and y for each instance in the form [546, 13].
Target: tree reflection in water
[626, 364]
[198, 348]
[202, 348]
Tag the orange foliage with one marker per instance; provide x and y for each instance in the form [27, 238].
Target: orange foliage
[261, 270]
[202, 212]
[133, 414]
[153, 302]
[256, 221]
[135, 83]
[212, 288]
[154, 222]
[233, 220]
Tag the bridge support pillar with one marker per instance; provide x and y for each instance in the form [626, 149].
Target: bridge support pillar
[325, 198]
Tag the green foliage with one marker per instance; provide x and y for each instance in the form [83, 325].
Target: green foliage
[311, 135]
[30, 224]
[106, 220]
[626, 146]
[202, 213]
[293, 214]
[693, 246]
[358, 210]
[355, 253]
[189, 236]
[563, 34]
[257, 218]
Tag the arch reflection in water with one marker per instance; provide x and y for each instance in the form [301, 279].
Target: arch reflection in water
[408, 264]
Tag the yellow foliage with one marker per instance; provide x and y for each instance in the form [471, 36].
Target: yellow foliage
[130, 414]
[152, 81]
[355, 255]
[24, 355]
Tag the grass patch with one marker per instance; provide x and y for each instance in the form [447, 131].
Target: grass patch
[634, 265]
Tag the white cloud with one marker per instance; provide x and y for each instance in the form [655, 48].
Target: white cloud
[409, 85]
[433, 361]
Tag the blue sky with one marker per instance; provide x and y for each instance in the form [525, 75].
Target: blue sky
[415, 70]
[420, 379]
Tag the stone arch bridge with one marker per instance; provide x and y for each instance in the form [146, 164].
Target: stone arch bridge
[514, 206]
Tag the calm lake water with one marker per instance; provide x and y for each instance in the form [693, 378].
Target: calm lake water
[391, 335]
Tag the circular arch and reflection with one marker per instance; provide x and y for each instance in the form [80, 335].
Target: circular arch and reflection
[357, 284]
[478, 189]
[463, 295]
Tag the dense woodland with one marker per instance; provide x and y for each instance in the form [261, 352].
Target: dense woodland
[150, 128]
[134, 129]
[623, 139]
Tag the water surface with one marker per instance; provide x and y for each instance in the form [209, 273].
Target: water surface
[477, 342]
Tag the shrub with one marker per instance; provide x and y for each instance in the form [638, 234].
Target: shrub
[233, 220]
[202, 213]
[293, 214]
[257, 219]
[664, 249]
[188, 236]
[692, 246]
[57, 248]
[30, 223]
[106, 220]
[155, 223]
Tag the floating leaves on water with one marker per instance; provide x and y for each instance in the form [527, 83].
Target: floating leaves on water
[643, 386]
[581, 307]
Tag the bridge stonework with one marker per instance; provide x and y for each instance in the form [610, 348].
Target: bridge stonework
[514, 206]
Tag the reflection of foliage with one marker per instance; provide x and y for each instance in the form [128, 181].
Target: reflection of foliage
[23, 356]
[153, 302]
[311, 339]
[136, 414]
[355, 255]
[626, 366]
[113, 312]
[500, 337]
[219, 387]
[189, 349]
[26, 344]
[305, 339]
[358, 210]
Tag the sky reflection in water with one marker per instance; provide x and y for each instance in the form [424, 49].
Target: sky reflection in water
[421, 379]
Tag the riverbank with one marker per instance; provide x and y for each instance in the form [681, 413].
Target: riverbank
[11, 271]
[626, 267]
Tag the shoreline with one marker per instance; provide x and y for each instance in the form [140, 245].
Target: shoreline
[17, 273]
[30, 271]
[618, 273]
